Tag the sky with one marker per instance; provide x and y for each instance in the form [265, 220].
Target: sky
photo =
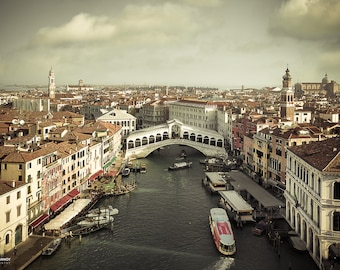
[207, 43]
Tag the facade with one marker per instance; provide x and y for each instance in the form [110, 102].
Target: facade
[302, 116]
[313, 197]
[32, 104]
[154, 113]
[121, 118]
[13, 223]
[270, 151]
[197, 113]
[323, 88]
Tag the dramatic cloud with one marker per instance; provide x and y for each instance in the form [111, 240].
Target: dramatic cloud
[197, 42]
[308, 19]
[81, 28]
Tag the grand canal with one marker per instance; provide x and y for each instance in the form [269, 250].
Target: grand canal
[163, 224]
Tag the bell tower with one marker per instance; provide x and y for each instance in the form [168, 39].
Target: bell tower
[287, 106]
[51, 84]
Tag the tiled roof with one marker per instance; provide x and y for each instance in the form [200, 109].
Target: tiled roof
[7, 186]
[323, 155]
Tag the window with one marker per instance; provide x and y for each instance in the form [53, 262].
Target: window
[29, 190]
[18, 194]
[20, 166]
[8, 216]
[8, 199]
[7, 239]
[19, 211]
[337, 190]
[336, 221]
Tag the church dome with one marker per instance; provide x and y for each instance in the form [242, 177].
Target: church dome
[287, 75]
[325, 79]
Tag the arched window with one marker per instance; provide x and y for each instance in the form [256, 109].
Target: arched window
[144, 141]
[7, 239]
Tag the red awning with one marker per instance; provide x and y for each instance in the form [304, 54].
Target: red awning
[94, 176]
[39, 220]
[73, 193]
[59, 204]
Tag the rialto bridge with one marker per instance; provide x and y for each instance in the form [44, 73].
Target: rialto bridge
[141, 143]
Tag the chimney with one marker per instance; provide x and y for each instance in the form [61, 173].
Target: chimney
[13, 183]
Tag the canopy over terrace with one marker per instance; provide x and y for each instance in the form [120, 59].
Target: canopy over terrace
[65, 216]
[240, 181]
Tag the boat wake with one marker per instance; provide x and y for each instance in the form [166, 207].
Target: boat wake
[156, 250]
[222, 264]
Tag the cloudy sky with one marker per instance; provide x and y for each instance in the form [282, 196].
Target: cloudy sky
[220, 43]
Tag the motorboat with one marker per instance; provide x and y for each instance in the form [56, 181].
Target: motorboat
[180, 165]
[221, 231]
[52, 247]
[126, 171]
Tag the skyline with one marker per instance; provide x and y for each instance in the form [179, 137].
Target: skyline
[213, 43]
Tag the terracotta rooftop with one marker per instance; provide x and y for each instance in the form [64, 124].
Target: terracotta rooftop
[323, 155]
[7, 186]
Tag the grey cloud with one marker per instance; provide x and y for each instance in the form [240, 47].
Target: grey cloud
[309, 20]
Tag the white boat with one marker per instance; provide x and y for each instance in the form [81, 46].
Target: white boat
[52, 247]
[102, 211]
[180, 165]
[221, 231]
[93, 221]
[126, 171]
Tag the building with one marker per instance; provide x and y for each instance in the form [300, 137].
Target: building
[154, 113]
[197, 113]
[313, 197]
[51, 84]
[287, 106]
[121, 118]
[13, 223]
[323, 88]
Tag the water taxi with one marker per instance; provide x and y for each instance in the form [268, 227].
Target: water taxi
[180, 165]
[221, 231]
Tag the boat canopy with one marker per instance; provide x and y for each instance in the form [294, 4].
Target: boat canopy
[236, 202]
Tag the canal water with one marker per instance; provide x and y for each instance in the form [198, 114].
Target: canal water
[163, 224]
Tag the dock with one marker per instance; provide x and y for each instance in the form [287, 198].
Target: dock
[264, 200]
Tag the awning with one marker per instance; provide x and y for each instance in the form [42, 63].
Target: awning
[40, 220]
[60, 203]
[73, 193]
[94, 176]
[109, 163]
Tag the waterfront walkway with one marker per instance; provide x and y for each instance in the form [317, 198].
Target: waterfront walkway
[26, 253]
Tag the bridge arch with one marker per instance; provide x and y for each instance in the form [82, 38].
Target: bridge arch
[141, 143]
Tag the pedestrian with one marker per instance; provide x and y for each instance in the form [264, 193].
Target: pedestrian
[15, 251]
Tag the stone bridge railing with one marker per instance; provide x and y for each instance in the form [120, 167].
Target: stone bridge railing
[144, 150]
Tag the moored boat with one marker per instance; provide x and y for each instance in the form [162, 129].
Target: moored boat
[222, 232]
[126, 171]
[180, 165]
[52, 247]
